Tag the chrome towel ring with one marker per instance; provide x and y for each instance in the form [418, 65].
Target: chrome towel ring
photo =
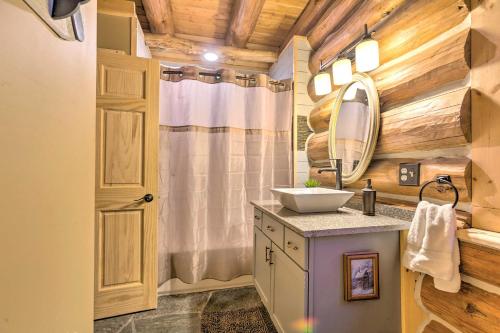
[441, 179]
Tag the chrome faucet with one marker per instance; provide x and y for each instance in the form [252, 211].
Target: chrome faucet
[337, 170]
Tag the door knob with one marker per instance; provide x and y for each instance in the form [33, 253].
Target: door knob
[147, 197]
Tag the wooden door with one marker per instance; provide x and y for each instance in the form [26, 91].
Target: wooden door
[262, 266]
[289, 281]
[126, 184]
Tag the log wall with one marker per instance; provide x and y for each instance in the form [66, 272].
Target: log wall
[475, 308]
[426, 111]
[437, 63]
[385, 173]
[424, 90]
[471, 310]
[480, 262]
[442, 121]
[411, 24]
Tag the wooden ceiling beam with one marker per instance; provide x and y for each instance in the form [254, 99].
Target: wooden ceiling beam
[169, 44]
[307, 19]
[183, 60]
[244, 18]
[159, 15]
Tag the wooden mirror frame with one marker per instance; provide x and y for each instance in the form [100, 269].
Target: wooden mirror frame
[374, 106]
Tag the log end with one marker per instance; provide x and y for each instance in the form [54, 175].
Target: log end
[465, 116]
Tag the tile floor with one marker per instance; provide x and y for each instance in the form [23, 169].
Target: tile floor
[180, 313]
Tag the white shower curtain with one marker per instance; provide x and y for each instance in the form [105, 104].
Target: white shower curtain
[221, 145]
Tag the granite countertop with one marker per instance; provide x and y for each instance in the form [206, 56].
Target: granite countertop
[345, 221]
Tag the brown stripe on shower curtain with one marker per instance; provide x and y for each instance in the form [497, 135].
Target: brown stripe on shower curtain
[223, 75]
[194, 128]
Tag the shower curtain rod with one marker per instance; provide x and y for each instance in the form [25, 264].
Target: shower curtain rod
[218, 76]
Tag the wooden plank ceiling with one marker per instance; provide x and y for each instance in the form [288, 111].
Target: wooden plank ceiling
[246, 34]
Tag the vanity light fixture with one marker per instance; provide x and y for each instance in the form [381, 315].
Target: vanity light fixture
[210, 56]
[322, 83]
[367, 53]
[342, 72]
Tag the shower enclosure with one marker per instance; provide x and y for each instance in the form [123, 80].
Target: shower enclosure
[225, 139]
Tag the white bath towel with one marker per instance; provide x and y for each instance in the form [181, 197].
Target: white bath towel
[433, 247]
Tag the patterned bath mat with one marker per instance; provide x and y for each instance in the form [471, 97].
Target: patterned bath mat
[253, 320]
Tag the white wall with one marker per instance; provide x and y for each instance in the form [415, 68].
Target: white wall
[47, 129]
[283, 68]
[303, 104]
[293, 63]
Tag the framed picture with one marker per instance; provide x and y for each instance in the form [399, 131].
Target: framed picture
[361, 276]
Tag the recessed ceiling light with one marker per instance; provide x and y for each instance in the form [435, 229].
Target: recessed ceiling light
[210, 56]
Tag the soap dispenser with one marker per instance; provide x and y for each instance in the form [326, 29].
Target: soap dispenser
[369, 198]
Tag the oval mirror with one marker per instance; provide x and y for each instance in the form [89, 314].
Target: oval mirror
[354, 126]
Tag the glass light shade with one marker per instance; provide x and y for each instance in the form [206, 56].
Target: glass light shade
[322, 84]
[342, 72]
[367, 55]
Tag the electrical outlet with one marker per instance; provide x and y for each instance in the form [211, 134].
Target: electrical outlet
[409, 174]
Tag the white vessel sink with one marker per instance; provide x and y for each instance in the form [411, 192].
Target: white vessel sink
[312, 200]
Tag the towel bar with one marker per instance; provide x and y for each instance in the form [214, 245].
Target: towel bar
[441, 179]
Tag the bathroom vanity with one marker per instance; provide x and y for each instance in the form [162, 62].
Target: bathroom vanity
[299, 270]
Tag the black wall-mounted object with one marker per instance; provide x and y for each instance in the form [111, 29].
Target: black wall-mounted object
[441, 180]
[77, 22]
[409, 174]
[61, 9]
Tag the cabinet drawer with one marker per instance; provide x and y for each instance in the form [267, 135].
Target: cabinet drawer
[274, 230]
[296, 247]
[257, 218]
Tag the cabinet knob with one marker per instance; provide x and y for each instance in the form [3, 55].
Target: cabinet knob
[291, 246]
[270, 228]
[257, 217]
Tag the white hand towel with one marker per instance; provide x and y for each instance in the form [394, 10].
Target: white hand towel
[415, 235]
[432, 245]
[452, 286]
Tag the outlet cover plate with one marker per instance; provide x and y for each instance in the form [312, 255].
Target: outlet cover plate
[409, 174]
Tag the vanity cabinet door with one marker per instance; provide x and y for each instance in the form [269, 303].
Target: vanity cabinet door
[289, 308]
[262, 267]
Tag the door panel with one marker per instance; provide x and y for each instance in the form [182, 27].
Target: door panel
[262, 267]
[126, 170]
[121, 236]
[289, 293]
[122, 82]
[123, 147]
